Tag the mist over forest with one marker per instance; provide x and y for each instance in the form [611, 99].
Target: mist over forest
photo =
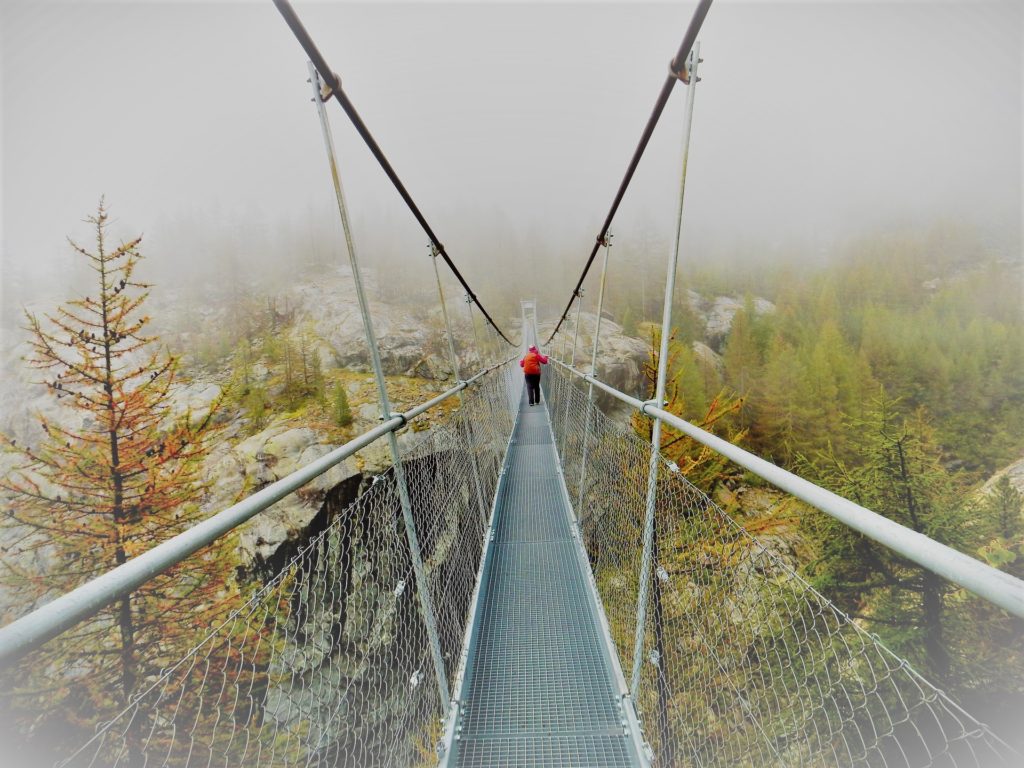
[511, 124]
[848, 306]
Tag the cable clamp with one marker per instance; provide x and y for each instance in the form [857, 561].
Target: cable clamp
[683, 73]
[648, 404]
[399, 416]
[327, 89]
[680, 73]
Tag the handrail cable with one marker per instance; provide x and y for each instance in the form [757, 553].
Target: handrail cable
[998, 587]
[676, 72]
[60, 614]
[333, 84]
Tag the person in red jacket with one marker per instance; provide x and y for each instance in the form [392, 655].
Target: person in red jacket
[531, 364]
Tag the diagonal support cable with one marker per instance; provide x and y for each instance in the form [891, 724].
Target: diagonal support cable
[333, 84]
[677, 71]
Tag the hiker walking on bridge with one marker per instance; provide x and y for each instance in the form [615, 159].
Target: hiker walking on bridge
[531, 363]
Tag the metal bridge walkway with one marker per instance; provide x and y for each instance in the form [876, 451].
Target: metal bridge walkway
[542, 686]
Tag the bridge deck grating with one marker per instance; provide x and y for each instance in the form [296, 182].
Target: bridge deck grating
[540, 689]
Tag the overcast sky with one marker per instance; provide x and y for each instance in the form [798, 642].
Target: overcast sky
[811, 121]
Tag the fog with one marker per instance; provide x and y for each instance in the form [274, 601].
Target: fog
[510, 124]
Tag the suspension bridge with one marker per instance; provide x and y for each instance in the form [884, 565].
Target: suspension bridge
[530, 586]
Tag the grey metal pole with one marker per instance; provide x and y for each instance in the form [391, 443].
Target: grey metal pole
[422, 587]
[572, 364]
[476, 346]
[472, 324]
[467, 429]
[593, 372]
[561, 357]
[659, 392]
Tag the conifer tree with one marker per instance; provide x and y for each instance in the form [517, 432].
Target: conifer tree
[898, 472]
[628, 321]
[1003, 512]
[742, 355]
[114, 475]
[685, 397]
[342, 412]
[775, 421]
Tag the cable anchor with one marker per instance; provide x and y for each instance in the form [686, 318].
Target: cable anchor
[683, 73]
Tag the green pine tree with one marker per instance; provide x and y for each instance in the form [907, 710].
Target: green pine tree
[897, 472]
[629, 322]
[342, 413]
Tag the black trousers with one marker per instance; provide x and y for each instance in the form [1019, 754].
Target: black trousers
[533, 387]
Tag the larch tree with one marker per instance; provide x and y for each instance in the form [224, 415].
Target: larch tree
[685, 397]
[1002, 511]
[898, 472]
[116, 473]
[742, 356]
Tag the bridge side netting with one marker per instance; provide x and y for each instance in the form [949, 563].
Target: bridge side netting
[744, 663]
[329, 663]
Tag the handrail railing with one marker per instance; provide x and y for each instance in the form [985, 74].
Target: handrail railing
[50, 620]
[997, 587]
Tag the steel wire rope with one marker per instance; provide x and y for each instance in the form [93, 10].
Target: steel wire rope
[333, 82]
[676, 72]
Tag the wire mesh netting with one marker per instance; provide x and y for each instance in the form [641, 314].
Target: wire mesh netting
[329, 662]
[743, 663]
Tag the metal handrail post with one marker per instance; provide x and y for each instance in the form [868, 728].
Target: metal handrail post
[472, 325]
[659, 393]
[593, 372]
[422, 587]
[477, 347]
[572, 363]
[470, 442]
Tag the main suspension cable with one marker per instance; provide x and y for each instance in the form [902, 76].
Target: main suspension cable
[677, 71]
[333, 84]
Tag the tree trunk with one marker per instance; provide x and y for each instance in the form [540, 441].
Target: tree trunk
[932, 605]
[129, 672]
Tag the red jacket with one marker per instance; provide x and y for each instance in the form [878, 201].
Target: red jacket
[532, 362]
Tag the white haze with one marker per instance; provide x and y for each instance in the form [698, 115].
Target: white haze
[511, 124]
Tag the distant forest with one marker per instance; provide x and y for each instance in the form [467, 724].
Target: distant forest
[934, 321]
[893, 375]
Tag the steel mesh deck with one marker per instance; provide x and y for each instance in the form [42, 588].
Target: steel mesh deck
[539, 680]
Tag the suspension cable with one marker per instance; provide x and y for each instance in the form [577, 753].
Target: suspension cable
[333, 84]
[677, 71]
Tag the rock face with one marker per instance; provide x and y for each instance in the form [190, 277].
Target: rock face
[238, 469]
[620, 358]
[707, 356]
[363, 649]
[1014, 471]
[719, 312]
[411, 341]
